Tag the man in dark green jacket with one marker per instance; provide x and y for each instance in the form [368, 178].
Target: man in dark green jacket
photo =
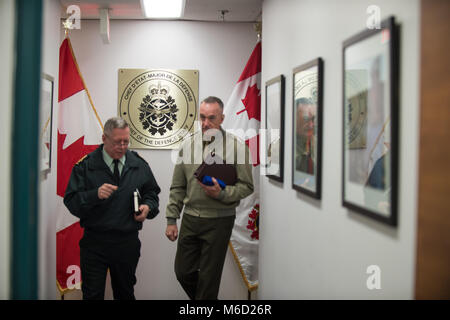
[100, 192]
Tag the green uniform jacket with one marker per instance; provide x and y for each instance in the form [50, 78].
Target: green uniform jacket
[115, 213]
[185, 190]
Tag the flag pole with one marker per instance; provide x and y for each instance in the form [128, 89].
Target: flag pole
[67, 24]
[249, 78]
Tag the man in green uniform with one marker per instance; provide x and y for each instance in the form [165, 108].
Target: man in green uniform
[100, 193]
[209, 211]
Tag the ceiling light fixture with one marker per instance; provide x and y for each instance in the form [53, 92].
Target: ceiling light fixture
[163, 9]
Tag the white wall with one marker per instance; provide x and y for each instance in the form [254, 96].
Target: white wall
[313, 249]
[219, 51]
[7, 29]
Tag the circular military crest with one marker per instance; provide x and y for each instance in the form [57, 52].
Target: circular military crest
[158, 111]
[306, 87]
[159, 105]
[355, 110]
[356, 117]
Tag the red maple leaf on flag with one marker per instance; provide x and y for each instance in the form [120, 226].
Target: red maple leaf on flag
[252, 103]
[253, 222]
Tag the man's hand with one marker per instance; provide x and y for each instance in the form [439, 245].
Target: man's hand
[144, 210]
[211, 191]
[106, 190]
[172, 232]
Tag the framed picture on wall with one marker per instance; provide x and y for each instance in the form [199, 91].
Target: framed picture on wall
[307, 93]
[46, 111]
[370, 122]
[274, 138]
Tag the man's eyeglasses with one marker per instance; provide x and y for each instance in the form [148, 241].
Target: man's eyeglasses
[119, 143]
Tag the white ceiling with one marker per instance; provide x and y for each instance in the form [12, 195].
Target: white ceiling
[198, 10]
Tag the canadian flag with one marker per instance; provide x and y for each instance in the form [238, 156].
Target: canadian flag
[79, 133]
[242, 117]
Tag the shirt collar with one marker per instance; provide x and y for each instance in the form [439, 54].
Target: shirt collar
[108, 160]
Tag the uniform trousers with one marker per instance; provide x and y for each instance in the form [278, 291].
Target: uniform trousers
[201, 250]
[114, 251]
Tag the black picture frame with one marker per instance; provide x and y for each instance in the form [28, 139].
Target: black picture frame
[370, 122]
[307, 114]
[46, 122]
[274, 133]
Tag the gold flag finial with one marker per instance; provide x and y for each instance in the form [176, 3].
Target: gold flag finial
[68, 25]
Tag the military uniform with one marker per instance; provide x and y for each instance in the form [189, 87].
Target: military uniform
[207, 222]
[110, 231]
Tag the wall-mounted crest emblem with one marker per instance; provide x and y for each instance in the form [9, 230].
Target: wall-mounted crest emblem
[158, 110]
[159, 105]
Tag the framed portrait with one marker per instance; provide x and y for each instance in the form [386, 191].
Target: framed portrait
[274, 137]
[370, 122]
[307, 93]
[45, 129]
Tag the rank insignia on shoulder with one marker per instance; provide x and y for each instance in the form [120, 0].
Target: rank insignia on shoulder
[81, 159]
